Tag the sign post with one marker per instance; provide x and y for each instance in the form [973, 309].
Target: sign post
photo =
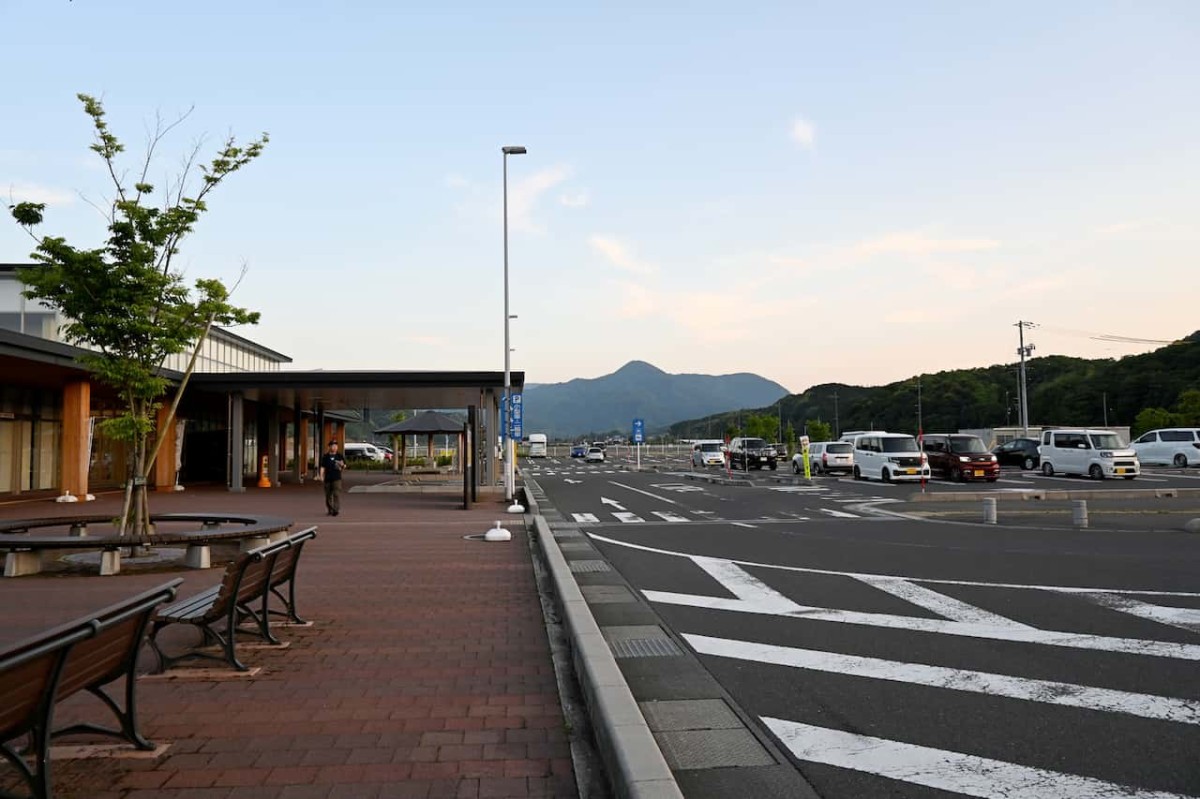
[516, 428]
[639, 435]
[804, 453]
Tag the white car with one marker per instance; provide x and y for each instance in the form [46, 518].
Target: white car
[1176, 446]
[708, 453]
[825, 457]
[889, 456]
[1095, 453]
[594, 455]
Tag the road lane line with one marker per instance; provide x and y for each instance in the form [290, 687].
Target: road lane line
[667, 516]
[647, 493]
[1065, 589]
[1183, 618]
[743, 524]
[629, 518]
[585, 518]
[745, 586]
[1104, 700]
[942, 605]
[839, 514]
[943, 769]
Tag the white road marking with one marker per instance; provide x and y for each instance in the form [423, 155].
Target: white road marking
[838, 514]
[1104, 700]
[572, 482]
[667, 516]
[585, 518]
[1183, 618]
[629, 518]
[932, 580]
[612, 503]
[945, 606]
[680, 488]
[742, 524]
[647, 493]
[797, 489]
[943, 769]
[704, 512]
[743, 585]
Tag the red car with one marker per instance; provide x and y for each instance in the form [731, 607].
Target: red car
[960, 457]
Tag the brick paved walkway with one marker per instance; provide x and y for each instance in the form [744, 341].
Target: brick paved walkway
[426, 674]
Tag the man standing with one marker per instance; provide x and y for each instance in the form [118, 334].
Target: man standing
[332, 464]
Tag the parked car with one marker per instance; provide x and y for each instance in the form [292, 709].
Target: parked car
[1096, 453]
[594, 455]
[1177, 446]
[888, 457]
[708, 453]
[1021, 452]
[960, 457]
[578, 450]
[751, 453]
[825, 457]
[362, 452]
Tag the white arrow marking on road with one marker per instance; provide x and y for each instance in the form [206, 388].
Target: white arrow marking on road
[1104, 700]
[585, 518]
[667, 516]
[629, 518]
[839, 514]
[647, 493]
[612, 503]
[943, 769]
[572, 482]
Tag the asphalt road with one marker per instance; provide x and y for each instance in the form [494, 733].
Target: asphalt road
[893, 656]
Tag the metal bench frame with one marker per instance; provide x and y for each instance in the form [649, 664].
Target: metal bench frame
[224, 609]
[86, 654]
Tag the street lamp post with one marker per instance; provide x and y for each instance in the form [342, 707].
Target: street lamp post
[509, 448]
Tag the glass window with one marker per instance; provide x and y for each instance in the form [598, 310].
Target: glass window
[1149, 438]
[1106, 441]
[899, 444]
[1178, 435]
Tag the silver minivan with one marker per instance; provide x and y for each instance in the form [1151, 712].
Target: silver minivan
[1095, 453]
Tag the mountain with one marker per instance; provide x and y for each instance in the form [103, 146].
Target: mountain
[1062, 391]
[638, 390]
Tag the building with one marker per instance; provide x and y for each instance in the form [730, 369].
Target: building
[242, 415]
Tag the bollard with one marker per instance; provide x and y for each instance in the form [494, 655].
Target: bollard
[1079, 516]
[989, 510]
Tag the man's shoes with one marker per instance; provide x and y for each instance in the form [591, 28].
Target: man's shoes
[336, 512]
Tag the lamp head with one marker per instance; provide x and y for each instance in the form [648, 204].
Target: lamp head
[514, 149]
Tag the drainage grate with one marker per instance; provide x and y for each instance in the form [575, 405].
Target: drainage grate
[583, 566]
[644, 648]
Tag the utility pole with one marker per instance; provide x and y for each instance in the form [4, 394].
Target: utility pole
[1024, 351]
[920, 424]
[1105, 401]
[836, 427]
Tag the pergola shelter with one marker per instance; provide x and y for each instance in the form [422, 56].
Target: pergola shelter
[429, 424]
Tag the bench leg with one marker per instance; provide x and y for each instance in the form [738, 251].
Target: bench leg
[18, 564]
[199, 556]
[110, 562]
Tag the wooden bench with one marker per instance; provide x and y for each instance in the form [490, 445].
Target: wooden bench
[86, 654]
[244, 594]
[24, 550]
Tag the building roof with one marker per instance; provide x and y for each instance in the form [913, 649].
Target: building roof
[426, 422]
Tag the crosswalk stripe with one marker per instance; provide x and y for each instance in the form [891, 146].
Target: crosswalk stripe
[667, 516]
[1183, 618]
[1105, 700]
[628, 518]
[943, 769]
[585, 518]
[945, 606]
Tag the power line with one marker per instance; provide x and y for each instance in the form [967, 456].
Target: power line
[1110, 337]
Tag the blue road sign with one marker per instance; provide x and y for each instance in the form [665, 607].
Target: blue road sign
[639, 431]
[517, 430]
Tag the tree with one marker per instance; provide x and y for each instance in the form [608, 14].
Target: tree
[1187, 409]
[818, 430]
[125, 303]
[1152, 419]
[789, 438]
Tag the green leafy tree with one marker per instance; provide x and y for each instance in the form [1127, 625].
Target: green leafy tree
[818, 430]
[789, 437]
[125, 302]
[1152, 419]
[1187, 409]
[761, 425]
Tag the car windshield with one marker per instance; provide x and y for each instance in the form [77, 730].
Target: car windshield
[839, 449]
[755, 443]
[966, 444]
[710, 447]
[899, 444]
[1106, 441]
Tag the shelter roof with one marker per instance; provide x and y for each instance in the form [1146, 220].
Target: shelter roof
[425, 422]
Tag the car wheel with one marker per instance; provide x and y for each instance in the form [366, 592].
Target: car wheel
[1180, 461]
[795, 468]
[886, 476]
[1095, 472]
[774, 466]
[857, 473]
[956, 475]
[1048, 469]
[1029, 464]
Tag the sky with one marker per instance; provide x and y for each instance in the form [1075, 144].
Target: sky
[812, 192]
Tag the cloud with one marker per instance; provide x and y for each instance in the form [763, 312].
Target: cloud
[619, 256]
[804, 133]
[919, 244]
[577, 200]
[32, 193]
[456, 181]
[637, 300]
[1119, 227]
[524, 194]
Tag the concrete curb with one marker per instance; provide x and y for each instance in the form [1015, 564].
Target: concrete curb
[1057, 494]
[632, 758]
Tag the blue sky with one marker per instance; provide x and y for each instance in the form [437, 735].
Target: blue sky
[812, 192]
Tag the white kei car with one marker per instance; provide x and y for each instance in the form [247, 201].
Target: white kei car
[594, 455]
